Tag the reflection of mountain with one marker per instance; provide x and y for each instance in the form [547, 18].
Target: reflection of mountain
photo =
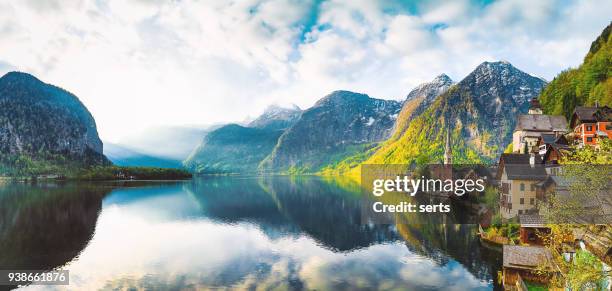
[283, 205]
[441, 241]
[46, 226]
[328, 213]
[240, 200]
[331, 214]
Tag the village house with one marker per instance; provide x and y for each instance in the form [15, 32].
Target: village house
[597, 206]
[552, 148]
[596, 232]
[531, 126]
[533, 227]
[549, 186]
[518, 175]
[591, 124]
[526, 263]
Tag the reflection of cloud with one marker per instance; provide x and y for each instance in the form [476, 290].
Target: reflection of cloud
[129, 250]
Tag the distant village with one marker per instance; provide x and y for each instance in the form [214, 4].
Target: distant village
[530, 175]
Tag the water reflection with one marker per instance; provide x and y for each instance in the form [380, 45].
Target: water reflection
[300, 233]
[45, 226]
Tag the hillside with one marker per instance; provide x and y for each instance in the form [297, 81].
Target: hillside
[240, 149]
[418, 100]
[338, 125]
[589, 83]
[232, 149]
[43, 126]
[480, 111]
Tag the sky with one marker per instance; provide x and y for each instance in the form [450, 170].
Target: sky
[138, 64]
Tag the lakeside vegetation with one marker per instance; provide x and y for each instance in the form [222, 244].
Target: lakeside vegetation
[49, 166]
[586, 85]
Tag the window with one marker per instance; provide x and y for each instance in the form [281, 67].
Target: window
[505, 188]
[522, 201]
[589, 139]
[532, 201]
[608, 126]
[532, 187]
[520, 211]
[522, 187]
[589, 127]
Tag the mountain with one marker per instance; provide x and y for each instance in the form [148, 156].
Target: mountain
[277, 118]
[480, 112]
[40, 121]
[232, 149]
[589, 83]
[430, 90]
[419, 99]
[125, 156]
[338, 125]
[236, 148]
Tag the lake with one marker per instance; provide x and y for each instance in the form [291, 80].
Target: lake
[230, 232]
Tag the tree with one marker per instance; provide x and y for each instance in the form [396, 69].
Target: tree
[588, 171]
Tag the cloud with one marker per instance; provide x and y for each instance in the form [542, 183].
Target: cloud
[138, 63]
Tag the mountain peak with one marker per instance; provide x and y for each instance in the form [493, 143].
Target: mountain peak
[277, 117]
[277, 108]
[502, 71]
[341, 97]
[19, 76]
[443, 78]
[494, 83]
[497, 64]
[432, 89]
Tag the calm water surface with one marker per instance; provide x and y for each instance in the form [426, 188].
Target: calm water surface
[273, 232]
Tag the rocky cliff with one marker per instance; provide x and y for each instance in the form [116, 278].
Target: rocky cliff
[336, 126]
[42, 121]
[277, 118]
[232, 149]
[419, 99]
[480, 111]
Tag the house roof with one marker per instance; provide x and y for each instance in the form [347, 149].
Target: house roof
[552, 139]
[526, 172]
[560, 181]
[561, 150]
[541, 122]
[514, 159]
[596, 201]
[527, 257]
[517, 167]
[531, 220]
[591, 114]
[548, 138]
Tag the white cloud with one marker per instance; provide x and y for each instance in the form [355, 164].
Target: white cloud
[138, 63]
